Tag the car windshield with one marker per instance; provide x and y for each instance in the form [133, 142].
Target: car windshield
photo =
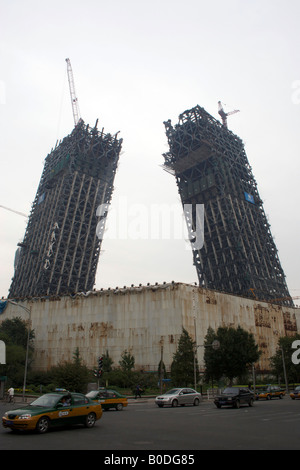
[92, 394]
[46, 401]
[230, 391]
[173, 391]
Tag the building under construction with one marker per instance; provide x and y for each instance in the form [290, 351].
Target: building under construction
[60, 250]
[212, 171]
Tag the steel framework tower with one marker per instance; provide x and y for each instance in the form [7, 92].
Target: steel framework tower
[60, 250]
[211, 168]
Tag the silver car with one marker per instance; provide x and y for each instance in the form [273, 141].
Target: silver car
[179, 396]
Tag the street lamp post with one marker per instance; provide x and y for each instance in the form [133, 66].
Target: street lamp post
[28, 310]
[284, 371]
[195, 371]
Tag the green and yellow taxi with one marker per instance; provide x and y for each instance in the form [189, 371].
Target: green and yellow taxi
[269, 392]
[295, 394]
[53, 409]
[108, 398]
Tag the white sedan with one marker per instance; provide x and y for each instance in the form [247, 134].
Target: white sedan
[179, 396]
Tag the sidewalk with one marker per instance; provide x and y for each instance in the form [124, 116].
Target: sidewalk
[146, 398]
[18, 399]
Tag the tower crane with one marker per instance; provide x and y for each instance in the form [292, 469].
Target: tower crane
[273, 300]
[74, 100]
[224, 115]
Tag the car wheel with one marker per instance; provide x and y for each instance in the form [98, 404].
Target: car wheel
[43, 425]
[160, 406]
[119, 407]
[280, 397]
[90, 420]
[175, 403]
[237, 404]
[218, 405]
[196, 402]
[268, 397]
[251, 402]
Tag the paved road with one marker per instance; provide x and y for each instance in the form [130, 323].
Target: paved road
[269, 425]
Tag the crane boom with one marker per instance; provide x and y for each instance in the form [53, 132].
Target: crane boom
[16, 212]
[74, 100]
[272, 300]
[224, 115]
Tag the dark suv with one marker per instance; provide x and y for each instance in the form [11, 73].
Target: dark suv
[234, 397]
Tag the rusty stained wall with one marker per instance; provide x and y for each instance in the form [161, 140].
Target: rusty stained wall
[266, 321]
[146, 321]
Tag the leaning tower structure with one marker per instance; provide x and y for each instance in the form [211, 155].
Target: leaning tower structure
[60, 250]
[237, 254]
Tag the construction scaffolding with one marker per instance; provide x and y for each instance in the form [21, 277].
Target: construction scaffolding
[60, 250]
[211, 168]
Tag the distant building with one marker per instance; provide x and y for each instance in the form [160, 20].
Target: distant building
[60, 250]
[233, 248]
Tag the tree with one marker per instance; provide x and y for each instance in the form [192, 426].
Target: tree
[182, 367]
[107, 362]
[14, 332]
[76, 357]
[212, 358]
[73, 376]
[276, 361]
[237, 352]
[127, 364]
[127, 361]
[162, 371]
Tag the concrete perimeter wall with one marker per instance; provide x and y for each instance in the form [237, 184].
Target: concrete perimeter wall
[147, 321]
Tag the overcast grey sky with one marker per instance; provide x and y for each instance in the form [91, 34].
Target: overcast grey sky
[137, 64]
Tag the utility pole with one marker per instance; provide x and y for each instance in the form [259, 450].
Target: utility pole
[284, 371]
[161, 369]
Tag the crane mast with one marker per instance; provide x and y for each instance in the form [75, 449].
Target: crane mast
[224, 115]
[74, 100]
